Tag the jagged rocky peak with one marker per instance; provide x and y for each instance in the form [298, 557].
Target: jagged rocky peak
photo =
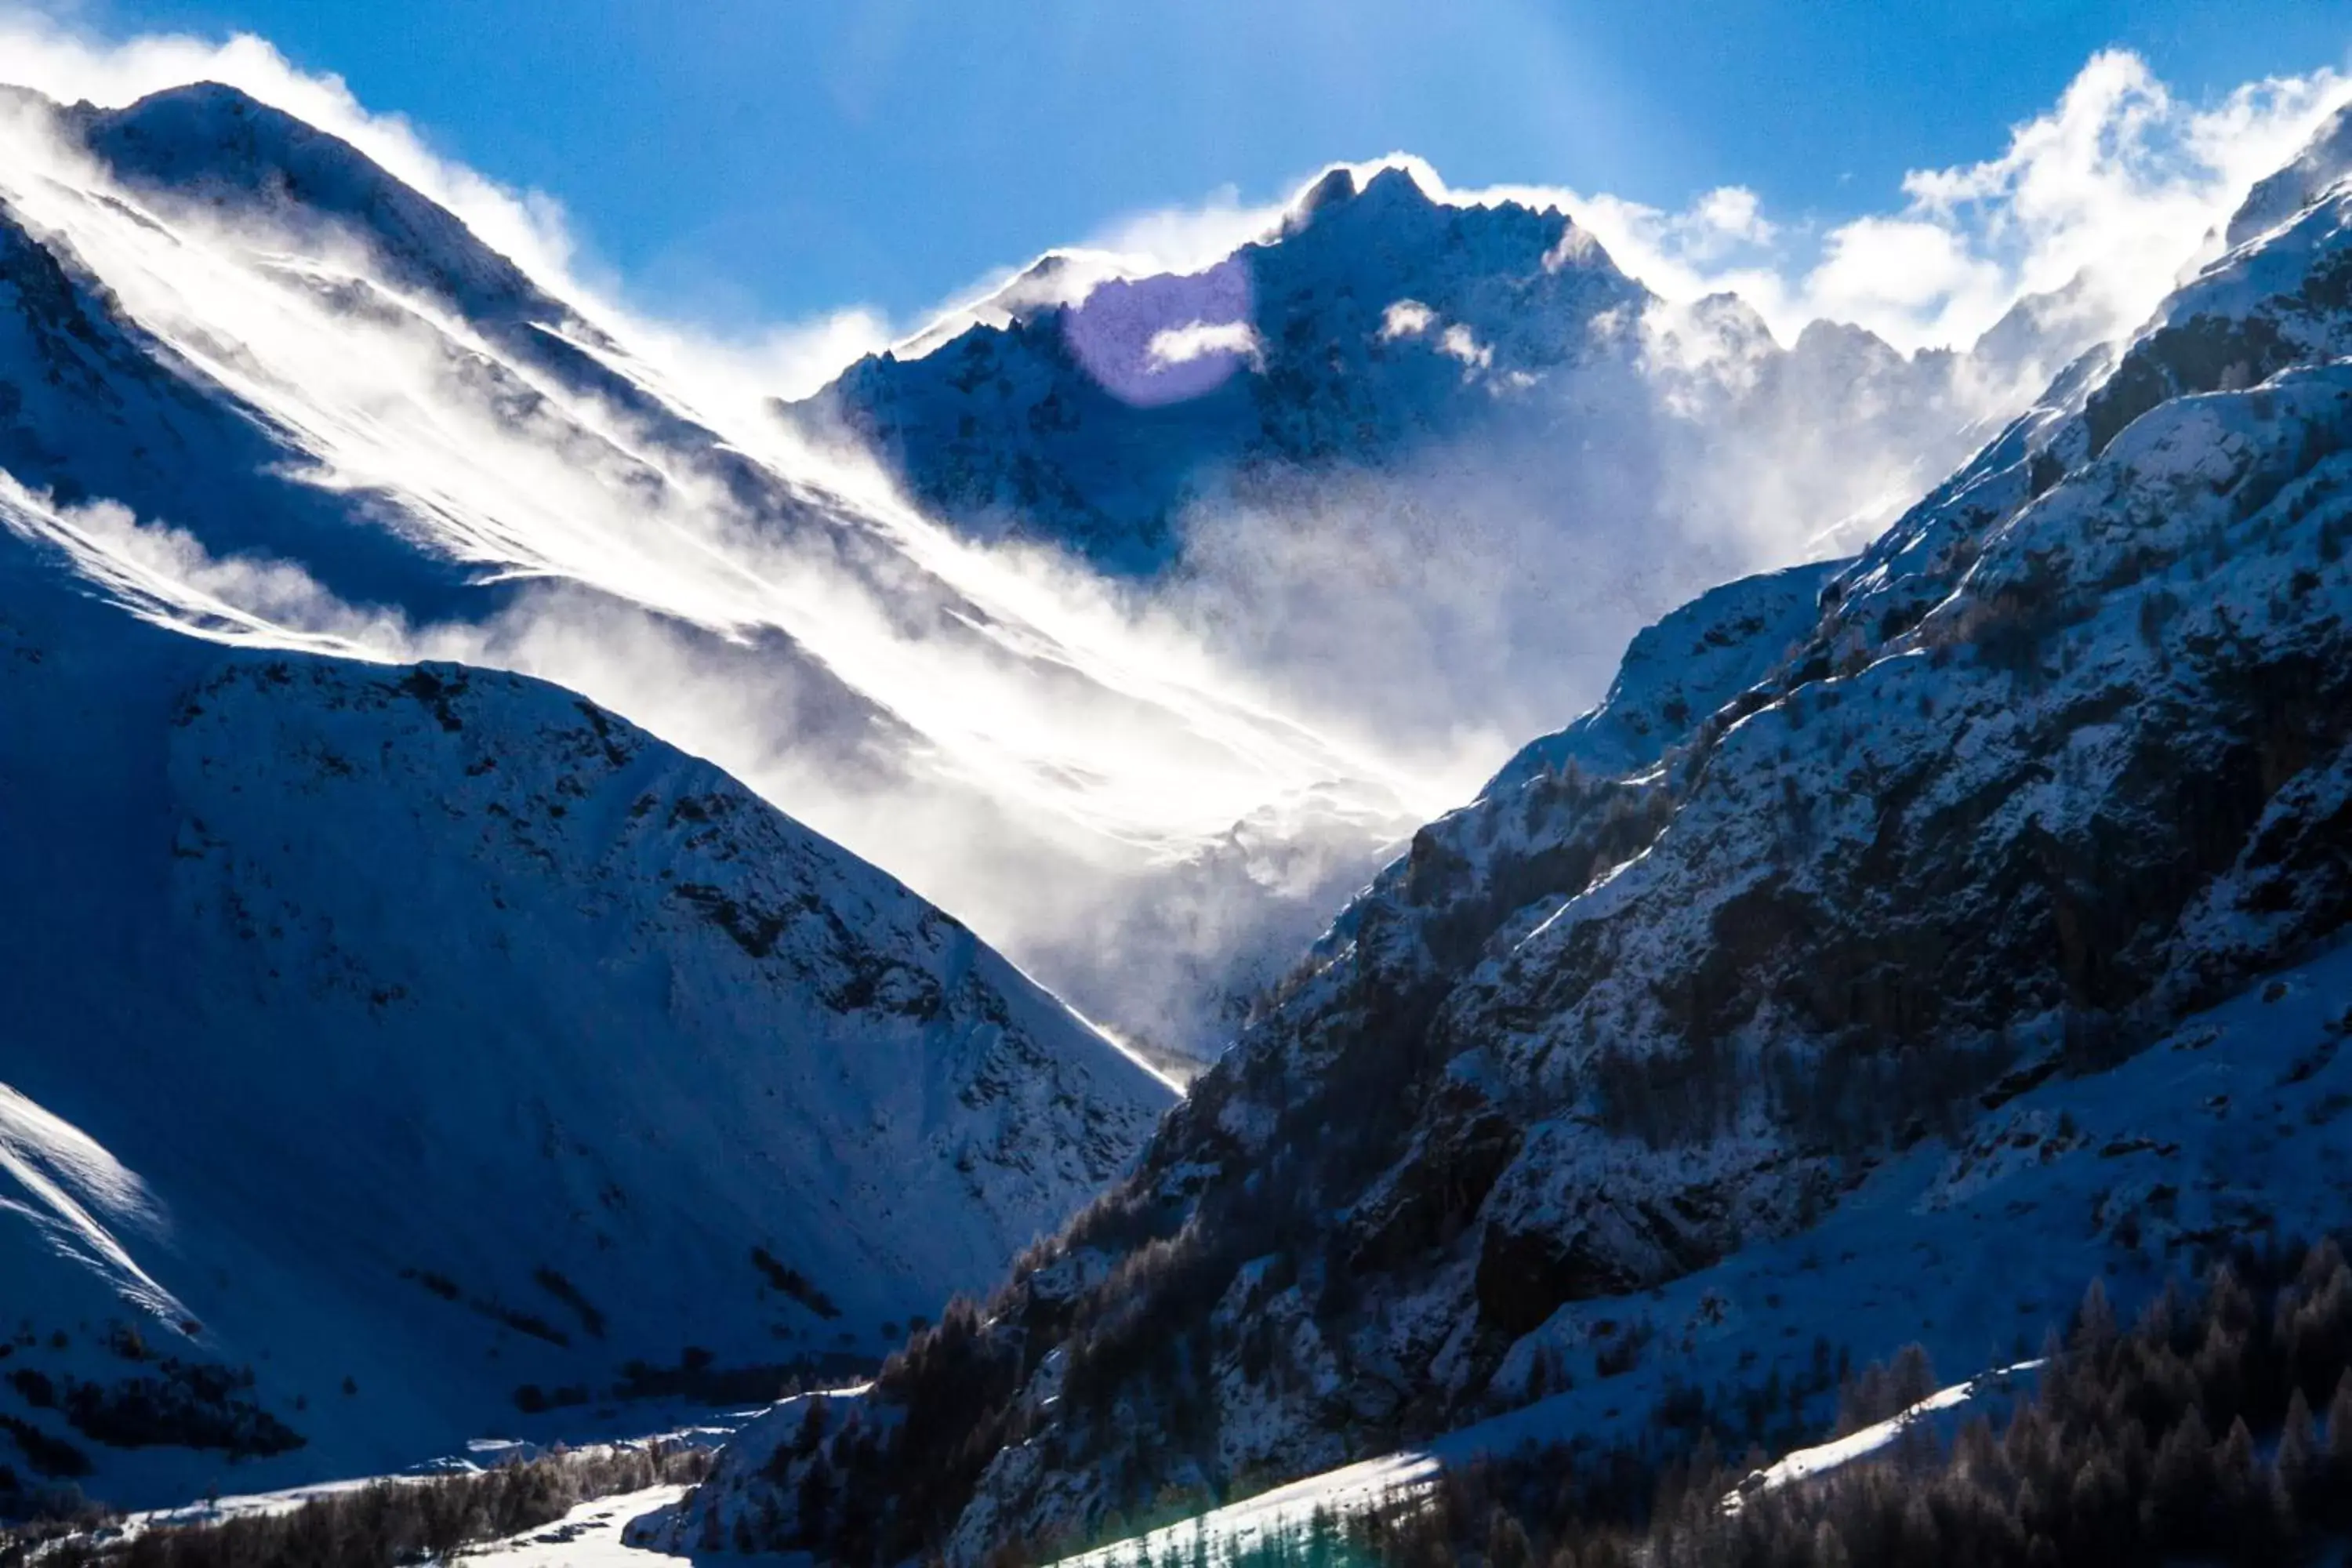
[1338, 186]
[1386, 219]
[1731, 320]
[1091, 407]
[1391, 216]
[2056, 323]
[1846, 345]
[2054, 764]
[1456, 351]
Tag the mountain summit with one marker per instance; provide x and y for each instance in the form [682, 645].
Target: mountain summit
[1381, 327]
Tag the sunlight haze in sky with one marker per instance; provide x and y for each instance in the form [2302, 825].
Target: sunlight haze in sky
[742, 160]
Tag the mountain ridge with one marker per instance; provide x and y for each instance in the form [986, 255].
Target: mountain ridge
[382, 452]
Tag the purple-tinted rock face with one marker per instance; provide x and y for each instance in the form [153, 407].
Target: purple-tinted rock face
[1164, 339]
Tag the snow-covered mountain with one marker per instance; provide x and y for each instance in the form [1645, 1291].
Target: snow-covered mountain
[1423, 461]
[403, 1044]
[394, 1051]
[1910, 887]
[1381, 327]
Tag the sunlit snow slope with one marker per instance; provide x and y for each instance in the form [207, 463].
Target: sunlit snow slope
[1897, 945]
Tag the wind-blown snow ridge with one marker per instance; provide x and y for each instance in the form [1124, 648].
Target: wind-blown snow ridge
[64, 1174]
[490, 1056]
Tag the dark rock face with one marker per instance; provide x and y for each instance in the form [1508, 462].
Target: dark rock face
[1524, 1276]
[1465, 1145]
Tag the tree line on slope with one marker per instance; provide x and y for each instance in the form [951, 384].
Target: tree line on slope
[381, 1524]
[2194, 1435]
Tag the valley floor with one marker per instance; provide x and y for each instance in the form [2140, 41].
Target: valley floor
[1242, 1532]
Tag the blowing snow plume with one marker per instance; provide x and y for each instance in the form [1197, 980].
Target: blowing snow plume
[327, 416]
[1444, 458]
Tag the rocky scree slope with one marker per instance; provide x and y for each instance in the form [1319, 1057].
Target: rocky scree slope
[399, 1055]
[2059, 759]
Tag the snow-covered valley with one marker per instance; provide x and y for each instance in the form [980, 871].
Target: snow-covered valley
[552, 885]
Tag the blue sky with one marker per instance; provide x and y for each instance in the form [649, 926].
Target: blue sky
[752, 159]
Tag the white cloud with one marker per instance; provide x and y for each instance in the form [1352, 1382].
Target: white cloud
[1731, 214]
[1878, 268]
[1405, 318]
[1459, 342]
[2117, 183]
[1187, 239]
[1181, 345]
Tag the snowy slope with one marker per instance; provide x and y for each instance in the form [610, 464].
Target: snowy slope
[400, 1036]
[1689, 663]
[2059, 761]
[2237, 1124]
